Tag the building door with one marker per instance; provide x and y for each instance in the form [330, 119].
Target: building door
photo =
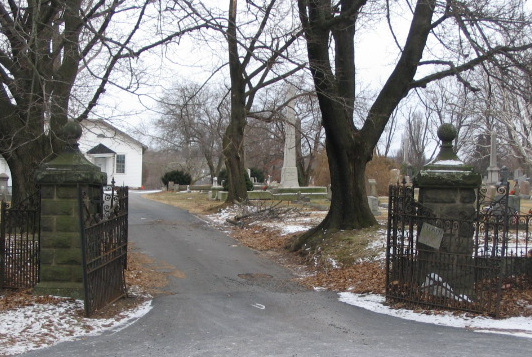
[101, 162]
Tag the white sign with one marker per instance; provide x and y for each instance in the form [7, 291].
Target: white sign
[430, 235]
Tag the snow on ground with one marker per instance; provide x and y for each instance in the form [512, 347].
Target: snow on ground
[516, 326]
[42, 325]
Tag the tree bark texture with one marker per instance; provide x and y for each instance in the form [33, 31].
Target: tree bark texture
[42, 65]
[233, 140]
[349, 148]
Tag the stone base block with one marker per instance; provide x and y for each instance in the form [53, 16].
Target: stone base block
[73, 290]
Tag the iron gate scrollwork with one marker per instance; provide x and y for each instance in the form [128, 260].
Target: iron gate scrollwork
[20, 243]
[104, 220]
[499, 258]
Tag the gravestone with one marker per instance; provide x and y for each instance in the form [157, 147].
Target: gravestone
[493, 169]
[525, 189]
[505, 175]
[373, 203]
[395, 175]
[491, 192]
[289, 171]
[373, 187]
[4, 193]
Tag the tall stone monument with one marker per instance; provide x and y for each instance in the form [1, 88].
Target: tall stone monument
[493, 169]
[289, 170]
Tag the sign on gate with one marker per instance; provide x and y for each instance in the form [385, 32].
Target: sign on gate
[431, 235]
[104, 245]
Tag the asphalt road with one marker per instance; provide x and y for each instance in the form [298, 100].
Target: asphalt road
[234, 302]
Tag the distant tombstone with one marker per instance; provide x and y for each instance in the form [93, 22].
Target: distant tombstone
[520, 179]
[215, 181]
[516, 190]
[525, 189]
[505, 174]
[171, 185]
[374, 205]
[373, 187]
[493, 169]
[3, 186]
[188, 189]
[518, 173]
[491, 191]
[394, 176]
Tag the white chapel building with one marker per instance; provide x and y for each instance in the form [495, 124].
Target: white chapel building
[115, 152]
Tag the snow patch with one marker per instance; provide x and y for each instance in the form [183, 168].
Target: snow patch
[43, 325]
[516, 326]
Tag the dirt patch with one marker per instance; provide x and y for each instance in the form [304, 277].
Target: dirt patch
[145, 278]
[350, 261]
[12, 299]
[194, 202]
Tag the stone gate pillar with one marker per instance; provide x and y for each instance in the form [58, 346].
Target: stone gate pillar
[61, 180]
[447, 187]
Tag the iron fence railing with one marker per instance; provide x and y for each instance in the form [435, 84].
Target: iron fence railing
[421, 276]
[104, 220]
[20, 243]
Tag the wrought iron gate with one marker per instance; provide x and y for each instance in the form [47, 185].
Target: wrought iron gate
[501, 240]
[20, 243]
[104, 219]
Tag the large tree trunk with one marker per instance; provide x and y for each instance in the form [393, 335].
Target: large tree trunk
[349, 149]
[23, 162]
[233, 141]
[348, 156]
[233, 144]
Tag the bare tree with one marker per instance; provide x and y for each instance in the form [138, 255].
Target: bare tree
[310, 136]
[486, 30]
[272, 119]
[511, 110]
[192, 122]
[264, 145]
[45, 47]
[252, 60]
[416, 138]
[258, 38]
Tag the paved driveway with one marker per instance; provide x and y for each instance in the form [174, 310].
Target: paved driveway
[234, 302]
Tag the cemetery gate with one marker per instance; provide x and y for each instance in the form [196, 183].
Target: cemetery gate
[104, 219]
[419, 273]
[20, 243]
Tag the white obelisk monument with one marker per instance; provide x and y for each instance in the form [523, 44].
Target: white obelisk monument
[493, 169]
[289, 170]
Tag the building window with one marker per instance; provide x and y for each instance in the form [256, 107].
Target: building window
[120, 164]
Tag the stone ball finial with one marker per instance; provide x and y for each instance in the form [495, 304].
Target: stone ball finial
[72, 132]
[447, 132]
